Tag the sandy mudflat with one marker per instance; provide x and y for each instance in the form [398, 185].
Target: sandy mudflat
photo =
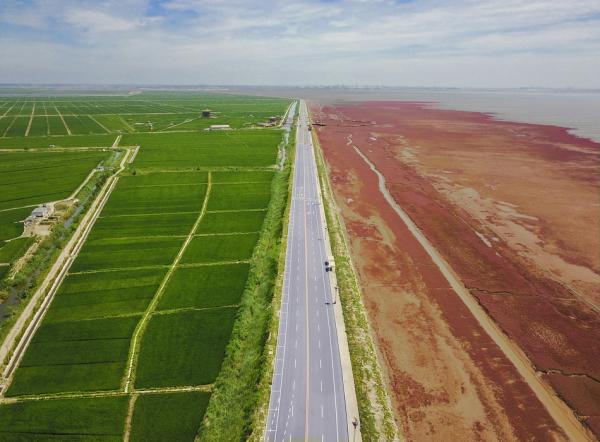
[514, 209]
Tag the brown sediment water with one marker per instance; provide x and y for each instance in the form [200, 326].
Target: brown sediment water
[462, 180]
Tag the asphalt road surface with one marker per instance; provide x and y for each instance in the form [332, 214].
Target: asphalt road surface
[307, 395]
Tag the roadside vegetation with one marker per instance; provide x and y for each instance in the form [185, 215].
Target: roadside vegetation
[231, 415]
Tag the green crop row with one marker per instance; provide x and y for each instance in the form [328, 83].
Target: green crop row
[172, 416]
[30, 181]
[118, 253]
[230, 247]
[82, 125]
[55, 127]
[64, 419]
[226, 197]
[39, 127]
[157, 417]
[205, 286]
[156, 199]
[12, 250]
[114, 123]
[11, 225]
[232, 222]
[184, 348]
[257, 148]
[5, 123]
[67, 356]
[18, 127]
[159, 224]
[162, 179]
[104, 294]
[62, 140]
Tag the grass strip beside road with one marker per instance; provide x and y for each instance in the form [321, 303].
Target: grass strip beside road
[259, 419]
[235, 399]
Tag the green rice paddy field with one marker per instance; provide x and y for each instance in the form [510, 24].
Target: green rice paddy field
[141, 323]
[31, 178]
[32, 117]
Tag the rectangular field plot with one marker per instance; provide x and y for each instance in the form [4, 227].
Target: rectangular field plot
[75, 356]
[29, 178]
[39, 127]
[5, 122]
[92, 125]
[18, 127]
[56, 126]
[254, 176]
[240, 196]
[11, 225]
[206, 149]
[83, 124]
[103, 294]
[185, 348]
[160, 199]
[14, 249]
[100, 419]
[58, 141]
[91, 351]
[40, 109]
[16, 109]
[163, 179]
[158, 122]
[217, 248]
[232, 222]
[118, 253]
[205, 286]
[170, 224]
[113, 123]
[27, 108]
[66, 378]
[170, 416]
[105, 328]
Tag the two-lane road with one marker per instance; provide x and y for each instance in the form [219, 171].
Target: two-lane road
[307, 396]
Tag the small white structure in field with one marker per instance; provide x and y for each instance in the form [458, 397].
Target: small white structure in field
[220, 127]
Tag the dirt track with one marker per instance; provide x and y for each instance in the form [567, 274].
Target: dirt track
[448, 377]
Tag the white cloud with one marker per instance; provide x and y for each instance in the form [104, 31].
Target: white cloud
[99, 22]
[429, 42]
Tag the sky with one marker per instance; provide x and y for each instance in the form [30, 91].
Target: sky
[429, 43]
